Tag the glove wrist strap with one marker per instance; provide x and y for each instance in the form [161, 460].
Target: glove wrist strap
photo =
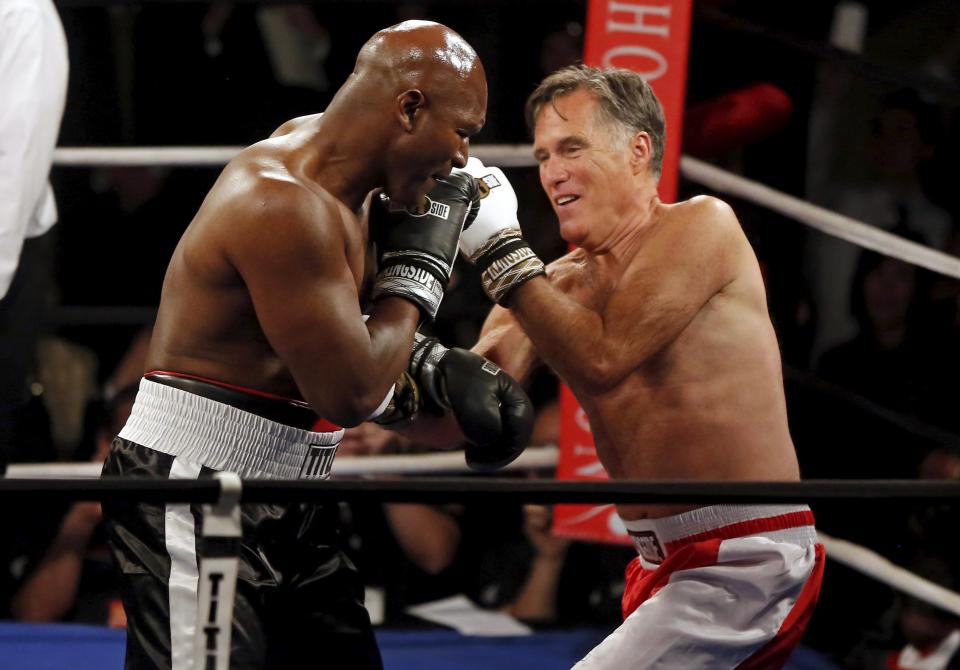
[413, 283]
[506, 262]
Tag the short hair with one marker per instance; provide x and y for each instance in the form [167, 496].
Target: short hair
[626, 100]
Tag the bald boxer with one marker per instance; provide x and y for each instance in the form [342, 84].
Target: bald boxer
[261, 351]
[658, 322]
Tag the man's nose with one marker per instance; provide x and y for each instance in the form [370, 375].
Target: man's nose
[463, 153]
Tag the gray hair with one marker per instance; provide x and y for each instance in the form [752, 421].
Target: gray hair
[626, 101]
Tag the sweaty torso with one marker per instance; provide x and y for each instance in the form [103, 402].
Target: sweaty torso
[207, 324]
[710, 404]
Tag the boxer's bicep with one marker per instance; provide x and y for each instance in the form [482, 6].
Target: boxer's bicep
[306, 302]
[665, 294]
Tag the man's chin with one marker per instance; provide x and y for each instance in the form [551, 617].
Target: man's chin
[571, 235]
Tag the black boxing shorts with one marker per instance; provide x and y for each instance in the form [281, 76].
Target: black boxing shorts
[299, 599]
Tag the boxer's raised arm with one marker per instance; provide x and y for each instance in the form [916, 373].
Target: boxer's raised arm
[293, 259]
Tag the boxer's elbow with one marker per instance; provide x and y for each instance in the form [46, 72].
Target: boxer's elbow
[350, 406]
[596, 375]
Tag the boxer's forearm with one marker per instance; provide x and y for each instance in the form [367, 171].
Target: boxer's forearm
[569, 337]
[503, 341]
[439, 432]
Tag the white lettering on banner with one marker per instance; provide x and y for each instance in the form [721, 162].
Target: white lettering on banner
[584, 450]
[594, 469]
[639, 53]
[637, 24]
[583, 423]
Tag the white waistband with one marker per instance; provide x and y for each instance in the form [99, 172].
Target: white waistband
[222, 437]
[728, 520]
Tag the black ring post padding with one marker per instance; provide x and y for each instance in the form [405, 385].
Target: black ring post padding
[480, 490]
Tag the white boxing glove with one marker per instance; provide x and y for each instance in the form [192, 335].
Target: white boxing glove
[493, 241]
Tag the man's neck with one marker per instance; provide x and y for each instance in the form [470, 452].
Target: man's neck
[341, 151]
[635, 225]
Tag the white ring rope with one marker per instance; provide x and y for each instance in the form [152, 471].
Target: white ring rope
[859, 558]
[824, 220]
[504, 155]
[520, 155]
[874, 565]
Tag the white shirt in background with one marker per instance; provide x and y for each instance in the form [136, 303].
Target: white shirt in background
[33, 89]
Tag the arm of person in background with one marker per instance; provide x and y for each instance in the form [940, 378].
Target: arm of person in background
[429, 536]
[50, 589]
[537, 600]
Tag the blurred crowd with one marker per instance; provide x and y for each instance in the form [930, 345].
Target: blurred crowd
[868, 341]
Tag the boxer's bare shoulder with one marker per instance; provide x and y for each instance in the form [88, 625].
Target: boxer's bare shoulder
[288, 127]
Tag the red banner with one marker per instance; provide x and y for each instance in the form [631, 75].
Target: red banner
[578, 460]
[650, 37]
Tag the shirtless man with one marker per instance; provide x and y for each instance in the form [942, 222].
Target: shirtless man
[658, 322]
[260, 332]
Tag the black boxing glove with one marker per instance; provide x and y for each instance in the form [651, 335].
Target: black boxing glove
[491, 408]
[416, 248]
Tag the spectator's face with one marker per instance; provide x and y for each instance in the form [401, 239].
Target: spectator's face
[898, 149]
[888, 291]
[940, 464]
[924, 628]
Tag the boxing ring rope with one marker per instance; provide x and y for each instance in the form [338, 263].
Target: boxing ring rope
[432, 490]
[520, 155]
[822, 219]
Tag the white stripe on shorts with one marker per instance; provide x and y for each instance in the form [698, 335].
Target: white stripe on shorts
[180, 537]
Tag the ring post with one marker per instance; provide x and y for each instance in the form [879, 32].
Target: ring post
[219, 565]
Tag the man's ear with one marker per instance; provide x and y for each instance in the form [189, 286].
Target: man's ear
[408, 104]
[641, 151]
